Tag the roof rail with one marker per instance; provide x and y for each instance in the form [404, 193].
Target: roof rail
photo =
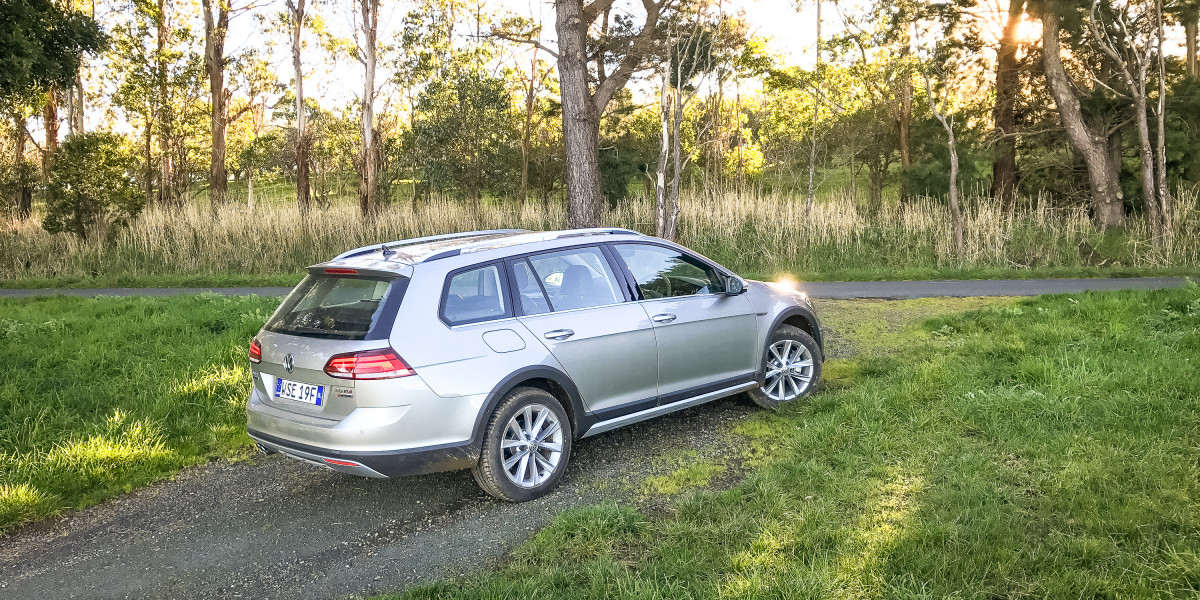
[537, 235]
[597, 231]
[422, 240]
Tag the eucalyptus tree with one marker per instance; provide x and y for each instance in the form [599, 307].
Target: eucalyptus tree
[367, 52]
[1087, 134]
[43, 46]
[217, 15]
[1008, 90]
[582, 103]
[690, 39]
[1131, 34]
[295, 18]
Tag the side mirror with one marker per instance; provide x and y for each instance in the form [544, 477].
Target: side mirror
[734, 286]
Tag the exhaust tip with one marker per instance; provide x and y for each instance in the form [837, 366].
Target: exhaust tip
[263, 449]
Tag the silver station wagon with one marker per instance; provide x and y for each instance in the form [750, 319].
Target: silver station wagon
[496, 350]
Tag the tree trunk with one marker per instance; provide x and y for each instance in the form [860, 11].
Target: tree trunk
[1107, 208]
[303, 197]
[812, 148]
[1164, 191]
[580, 119]
[148, 154]
[677, 152]
[369, 157]
[215, 26]
[1008, 88]
[523, 192]
[1146, 155]
[50, 125]
[23, 194]
[664, 150]
[77, 123]
[250, 190]
[1189, 31]
[903, 123]
[166, 188]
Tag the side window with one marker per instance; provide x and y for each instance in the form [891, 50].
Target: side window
[475, 295]
[529, 291]
[580, 278]
[665, 273]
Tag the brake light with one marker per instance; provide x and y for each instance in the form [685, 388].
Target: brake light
[341, 271]
[255, 351]
[372, 364]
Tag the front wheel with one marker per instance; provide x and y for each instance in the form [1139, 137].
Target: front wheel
[792, 365]
[525, 448]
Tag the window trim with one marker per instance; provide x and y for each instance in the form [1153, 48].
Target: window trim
[633, 280]
[504, 292]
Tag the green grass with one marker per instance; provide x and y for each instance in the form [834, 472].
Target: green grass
[151, 281]
[99, 396]
[1046, 448]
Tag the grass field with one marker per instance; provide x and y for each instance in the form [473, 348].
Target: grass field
[1047, 448]
[99, 396]
[760, 236]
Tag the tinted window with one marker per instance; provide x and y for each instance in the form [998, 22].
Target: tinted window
[576, 279]
[663, 272]
[475, 295]
[344, 308]
[529, 291]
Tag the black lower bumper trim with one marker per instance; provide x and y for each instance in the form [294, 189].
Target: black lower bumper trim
[392, 463]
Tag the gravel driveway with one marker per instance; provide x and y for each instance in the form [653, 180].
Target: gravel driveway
[273, 527]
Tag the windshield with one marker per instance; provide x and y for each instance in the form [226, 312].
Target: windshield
[343, 308]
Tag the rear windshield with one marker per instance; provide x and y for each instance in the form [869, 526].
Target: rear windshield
[342, 308]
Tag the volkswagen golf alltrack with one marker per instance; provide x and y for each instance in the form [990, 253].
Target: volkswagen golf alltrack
[496, 350]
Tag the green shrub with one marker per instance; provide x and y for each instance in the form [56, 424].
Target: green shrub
[91, 185]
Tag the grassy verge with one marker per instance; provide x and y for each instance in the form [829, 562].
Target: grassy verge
[98, 396]
[152, 281]
[1032, 449]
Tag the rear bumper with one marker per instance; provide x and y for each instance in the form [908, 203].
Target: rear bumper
[388, 463]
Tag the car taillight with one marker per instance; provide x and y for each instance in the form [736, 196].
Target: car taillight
[255, 351]
[372, 364]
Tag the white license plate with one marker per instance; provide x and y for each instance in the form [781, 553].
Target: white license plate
[300, 392]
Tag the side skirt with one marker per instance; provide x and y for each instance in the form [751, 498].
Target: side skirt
[650, 413]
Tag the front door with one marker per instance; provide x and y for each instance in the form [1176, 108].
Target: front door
[571, 301]
[706, 339]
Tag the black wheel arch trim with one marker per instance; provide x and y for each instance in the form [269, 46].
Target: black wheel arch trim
[814, 325]
[575, 411]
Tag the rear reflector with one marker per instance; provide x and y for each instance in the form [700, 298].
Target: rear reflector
[255, 351]
[372, 364]
[341, 271]
[342, 463]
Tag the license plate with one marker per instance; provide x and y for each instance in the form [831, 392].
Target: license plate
[300, 392]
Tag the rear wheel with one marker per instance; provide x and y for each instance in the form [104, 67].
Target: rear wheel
[792, 365]
[525, 448]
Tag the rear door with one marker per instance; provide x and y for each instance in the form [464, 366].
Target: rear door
[573, 302]
[706, 339]
[323, 316]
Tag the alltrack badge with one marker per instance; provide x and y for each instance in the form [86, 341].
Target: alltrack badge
[289, 363]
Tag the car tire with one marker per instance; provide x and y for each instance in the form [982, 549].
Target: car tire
[510, 467]
[797, 376]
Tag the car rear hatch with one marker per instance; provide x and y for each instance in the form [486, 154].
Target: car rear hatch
[333, 312]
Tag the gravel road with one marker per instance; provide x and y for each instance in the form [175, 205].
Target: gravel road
[272, 527]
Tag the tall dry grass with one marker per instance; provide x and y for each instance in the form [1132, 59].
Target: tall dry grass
[748, 232]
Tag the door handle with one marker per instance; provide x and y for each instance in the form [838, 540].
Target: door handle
[559, 334]
[663, 318]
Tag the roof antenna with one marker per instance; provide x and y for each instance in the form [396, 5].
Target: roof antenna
[387, 252]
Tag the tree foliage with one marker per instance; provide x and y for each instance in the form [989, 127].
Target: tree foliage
[93, 185]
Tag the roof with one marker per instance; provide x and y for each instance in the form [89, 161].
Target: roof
[425, 249]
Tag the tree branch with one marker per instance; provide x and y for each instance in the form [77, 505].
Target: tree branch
[504, 35]
[638, 49]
